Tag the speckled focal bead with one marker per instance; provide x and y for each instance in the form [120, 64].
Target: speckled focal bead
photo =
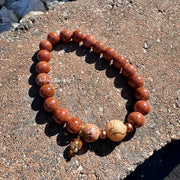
[88, 41]
[116, 130]
[61, 116]
[142, 93]
[42, 67]
[45, 44]
[136, 81]
[77, 36]
[119, 61]
[44, 55]
[142, 106]
[128, 70]
[136, 119]
[65, 35]
[51, 104]
[46, 91]
[99, 47]
[42, 79]
[90, 133]
[109, 53]
[74, 125]
[53, 37]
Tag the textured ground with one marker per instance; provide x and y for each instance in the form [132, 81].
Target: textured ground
[33, 146]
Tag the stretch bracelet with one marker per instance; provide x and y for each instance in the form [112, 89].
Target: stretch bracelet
[115, 130]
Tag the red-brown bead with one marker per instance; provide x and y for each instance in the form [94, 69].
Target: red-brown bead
[102, 134]
[61, 116]
[99, 47]
[42, 79]
[44, 55]
[65, 35]
[136, 81]
[109, 53]
[46, 91]
[129, 127]
[136, 119]
[53, 37]
[128, 70]
[51, 104]
[42, 67]
[142, 93]
[74, 125]
[77, 36]
[142, 106]
[88, 41]
[45, 44]
[119, 61]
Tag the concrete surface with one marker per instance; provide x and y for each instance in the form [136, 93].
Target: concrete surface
[33, 146]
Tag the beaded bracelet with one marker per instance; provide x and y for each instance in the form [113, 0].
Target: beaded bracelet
[115, 130]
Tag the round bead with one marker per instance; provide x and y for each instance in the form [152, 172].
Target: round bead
[46, 91]
[116, 130]
[129, 127]
[119, 61]
[53, 37]
[142, 93]
[74, 125]
[136, 81]
[128, 70]
[99, 47]
[42, 79]
[77, 36]
[136, 119]
[88, 41]
[109, 53]
[45, 44]
[44, 55]
[142, 106]
[65, 35]
[51, 104]
[42, 67]
[61, 115]
[90, 133]
[103, 134]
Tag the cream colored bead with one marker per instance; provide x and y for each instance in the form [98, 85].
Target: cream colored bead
[116, 130]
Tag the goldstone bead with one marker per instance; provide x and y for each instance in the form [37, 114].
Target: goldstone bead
[116, 130]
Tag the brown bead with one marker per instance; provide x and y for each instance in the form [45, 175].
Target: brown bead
[45, 44]
[142, 106]
[136, 81]
[53, 37]
[109, 53]
[99, 47]
[42, 67]
[103, 134]
[42, 79]
[61, 115]
[129, 127]
[116, 130]
[136, 119]
[44, 55]
[90, 133]
[74, 125]
[88, 41]
[46, 91]
[65, 35]
[51, 104]
[77, 36]
[142, 93]
[128, 70]
[119, 61]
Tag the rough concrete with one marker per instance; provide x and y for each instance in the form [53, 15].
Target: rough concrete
[33, 146]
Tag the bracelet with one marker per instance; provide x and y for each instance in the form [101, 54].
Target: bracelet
[115, 130]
